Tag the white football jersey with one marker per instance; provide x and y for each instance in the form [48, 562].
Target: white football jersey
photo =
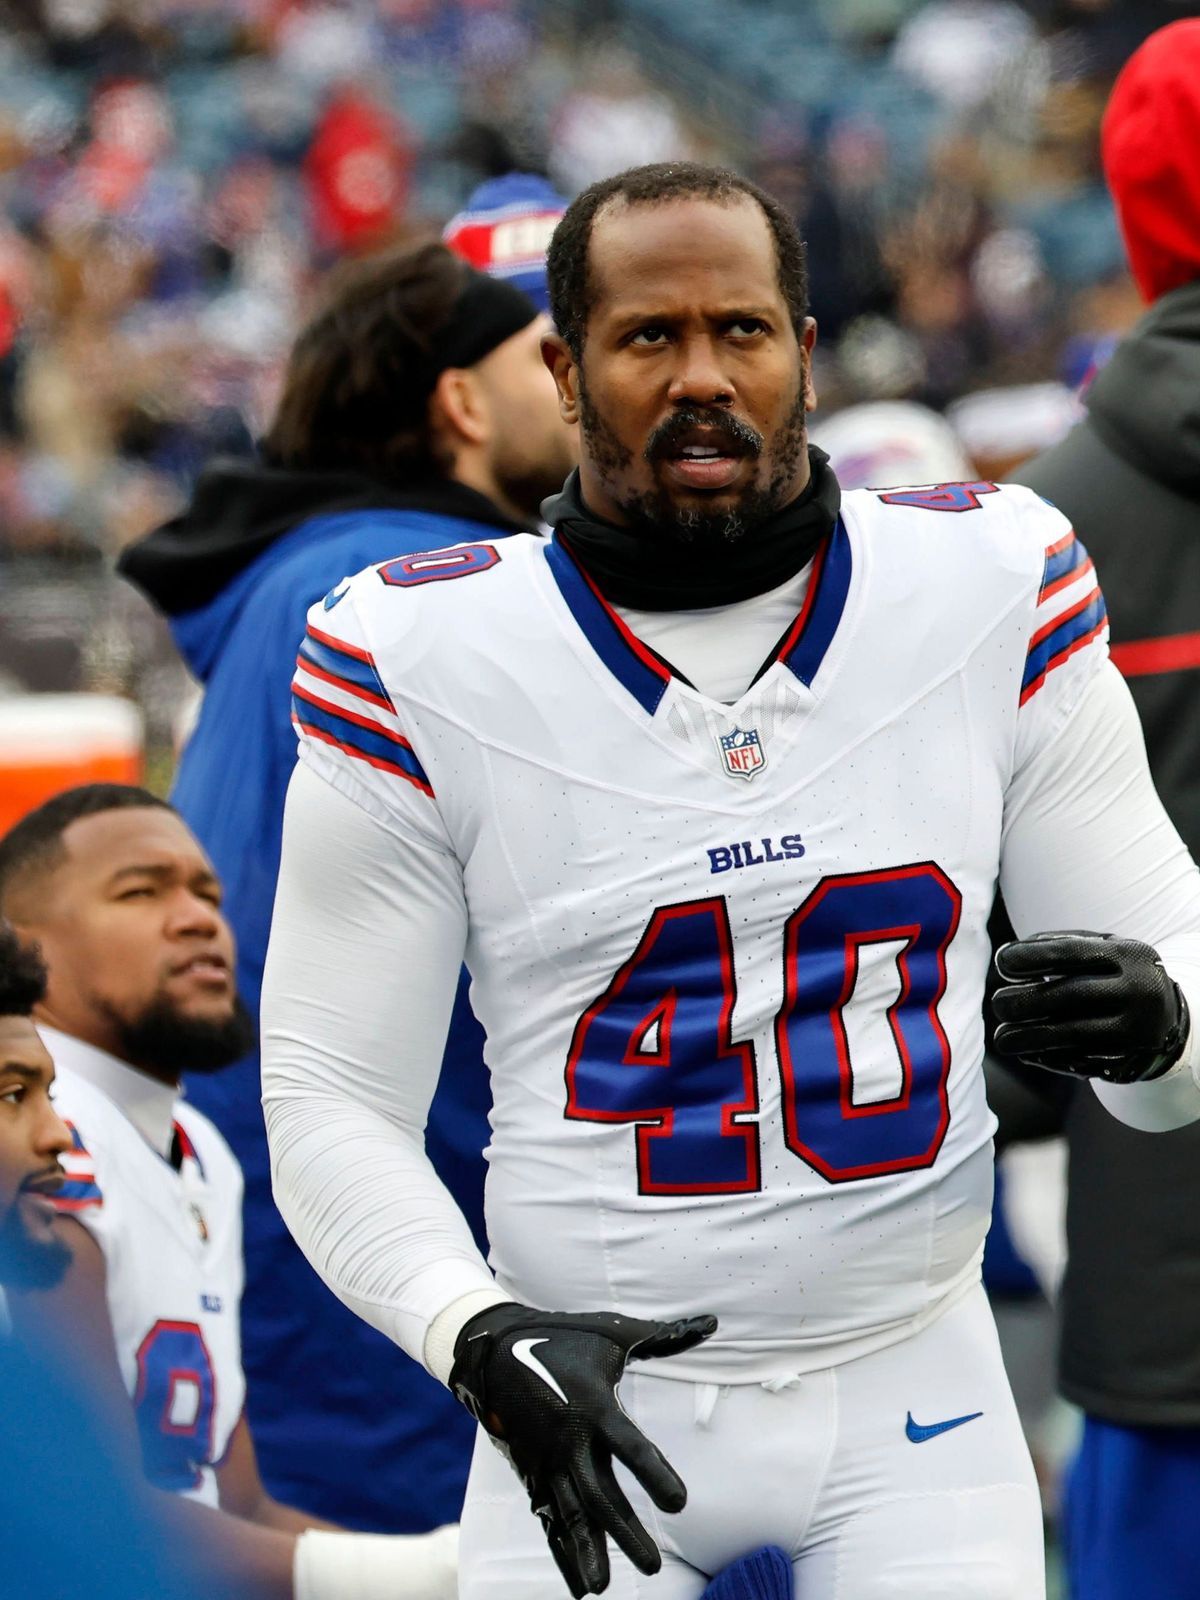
[172, 1243]
[730, 958]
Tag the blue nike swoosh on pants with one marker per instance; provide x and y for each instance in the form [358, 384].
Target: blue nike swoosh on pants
[916, 1434]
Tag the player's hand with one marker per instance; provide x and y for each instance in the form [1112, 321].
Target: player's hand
[1089, 1004]
[544, 1385]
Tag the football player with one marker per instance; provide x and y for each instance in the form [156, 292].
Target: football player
[125, 908]
[714, 790]
[33, 1137]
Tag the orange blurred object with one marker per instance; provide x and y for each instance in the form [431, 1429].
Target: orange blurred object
[51, 742]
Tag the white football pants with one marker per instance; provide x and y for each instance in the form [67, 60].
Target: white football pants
[829, 1468]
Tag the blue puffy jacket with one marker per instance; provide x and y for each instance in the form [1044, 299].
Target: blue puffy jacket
[345, 1425]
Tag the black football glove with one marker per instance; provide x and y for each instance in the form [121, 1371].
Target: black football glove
[1089, 1004]
[544, 1385]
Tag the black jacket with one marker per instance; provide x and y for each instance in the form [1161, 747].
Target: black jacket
[1128, 476]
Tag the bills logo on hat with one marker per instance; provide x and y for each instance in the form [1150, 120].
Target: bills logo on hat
[742, 753]
[505, 230]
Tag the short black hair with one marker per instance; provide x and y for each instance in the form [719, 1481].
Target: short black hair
[22, 974]
[35, 843]
[567, 259]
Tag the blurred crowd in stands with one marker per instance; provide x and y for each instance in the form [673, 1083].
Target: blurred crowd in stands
[176, 174]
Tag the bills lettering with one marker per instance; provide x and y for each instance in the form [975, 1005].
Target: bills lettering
[754, 853]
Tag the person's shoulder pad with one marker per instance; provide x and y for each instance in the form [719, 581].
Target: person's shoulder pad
[431, 572]
[973, 533]
[340, 703]
[1069, 612]
[970, 514]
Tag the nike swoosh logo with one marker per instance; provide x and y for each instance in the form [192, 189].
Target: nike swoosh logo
[916, 1434]
[336, 593]
[523, 1352]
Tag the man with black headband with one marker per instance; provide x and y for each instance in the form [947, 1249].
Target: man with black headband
[416, 412]
[138, 984]
[714, 791]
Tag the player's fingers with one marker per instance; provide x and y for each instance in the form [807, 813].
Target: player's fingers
[1048, 954]
[582, 1537]
[671, 1338]
[544, 1506]
[646, 1461]
[1098, 1036]
[605, 1501]
[1059, 1000]
[1029, 1041]
[563, 1552]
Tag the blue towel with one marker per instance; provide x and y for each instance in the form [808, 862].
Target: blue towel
[764, 1574]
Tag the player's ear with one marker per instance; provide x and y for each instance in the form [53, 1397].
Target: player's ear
[808, 339]
[458, 407]
[562, 368]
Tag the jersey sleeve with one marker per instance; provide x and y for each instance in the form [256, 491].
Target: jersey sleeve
[1087, 844]
[1067, 629]
[81, 1192]
[83, 1195]
[366, 947]
[350, 728]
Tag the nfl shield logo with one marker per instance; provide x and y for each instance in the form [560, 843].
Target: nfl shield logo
[742, 754]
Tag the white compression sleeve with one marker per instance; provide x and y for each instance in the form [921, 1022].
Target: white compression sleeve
[1087, 844]
[365, 953]
[375, 1566]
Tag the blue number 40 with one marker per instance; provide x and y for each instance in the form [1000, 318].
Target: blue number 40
[655, 1049]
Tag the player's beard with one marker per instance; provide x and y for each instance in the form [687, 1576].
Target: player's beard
[525, 484]
[529, 471]
[656, 514]
[166, 1042]
[26, 1262]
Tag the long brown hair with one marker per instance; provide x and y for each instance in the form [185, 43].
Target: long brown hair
[358, 381]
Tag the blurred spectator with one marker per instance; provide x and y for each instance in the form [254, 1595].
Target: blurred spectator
[837, 191]
[959, 48]
[1128, 475]
[416, 412]
[358, 172]
[612, 119]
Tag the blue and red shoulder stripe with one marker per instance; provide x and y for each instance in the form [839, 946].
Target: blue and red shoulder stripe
[1070, 612]
[339, 699]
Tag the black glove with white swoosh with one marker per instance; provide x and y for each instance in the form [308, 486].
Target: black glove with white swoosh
[1089, 1004]
[544, 1385]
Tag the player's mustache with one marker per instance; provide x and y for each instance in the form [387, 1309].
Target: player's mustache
[671, 435]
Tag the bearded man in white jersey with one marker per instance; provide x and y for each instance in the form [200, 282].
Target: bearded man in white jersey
[714, 791]
[142, 1269]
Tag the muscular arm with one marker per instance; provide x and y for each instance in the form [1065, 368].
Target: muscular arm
[1087, 844]
[366, 946]
[243, 1493]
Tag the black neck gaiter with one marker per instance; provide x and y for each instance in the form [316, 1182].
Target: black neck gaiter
[633, 569]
